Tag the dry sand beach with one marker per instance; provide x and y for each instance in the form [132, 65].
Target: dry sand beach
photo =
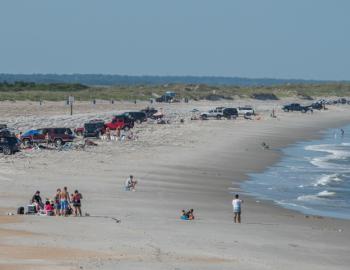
[197, 164]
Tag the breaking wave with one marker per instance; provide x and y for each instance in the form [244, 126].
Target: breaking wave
[324, 162]
[319, 196]
[326, 180]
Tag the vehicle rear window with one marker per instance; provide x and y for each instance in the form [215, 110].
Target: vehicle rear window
[62, 131]
[94, 125]
[8, 140]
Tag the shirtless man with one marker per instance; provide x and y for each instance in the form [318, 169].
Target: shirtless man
[64, 199]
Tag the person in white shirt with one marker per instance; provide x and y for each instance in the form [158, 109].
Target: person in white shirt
[237, 205]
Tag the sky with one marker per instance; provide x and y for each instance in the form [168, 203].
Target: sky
[303, 39]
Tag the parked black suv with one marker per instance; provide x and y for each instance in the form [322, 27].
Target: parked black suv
[94, 128]
[230, 112]
[137, 116]
[149, 111]
[8, 142]
[317, 106]
[295, 107]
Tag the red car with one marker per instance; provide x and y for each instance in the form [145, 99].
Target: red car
[121, 122]
[58, 136]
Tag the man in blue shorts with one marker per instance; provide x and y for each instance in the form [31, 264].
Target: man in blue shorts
[64, 201]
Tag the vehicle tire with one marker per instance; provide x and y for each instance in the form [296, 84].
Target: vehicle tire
[58, 142]
[286, 110]
[6, 150]
[204, 117]
[126, 128]
[138, 121]
[218, 117]
[303, 111]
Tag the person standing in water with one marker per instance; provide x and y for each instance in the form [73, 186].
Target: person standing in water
[237, 205]
[342, 132]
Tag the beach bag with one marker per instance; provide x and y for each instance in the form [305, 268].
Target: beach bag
[69, 211]
[20, 210]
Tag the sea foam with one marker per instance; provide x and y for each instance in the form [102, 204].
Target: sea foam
[326, 180]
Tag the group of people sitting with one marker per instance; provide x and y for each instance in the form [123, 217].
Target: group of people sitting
[61, 205]
[187, 215]
[118, 135]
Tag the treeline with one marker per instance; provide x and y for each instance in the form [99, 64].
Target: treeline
[19, 86]
[103, 79]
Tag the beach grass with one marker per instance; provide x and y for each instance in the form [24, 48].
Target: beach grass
[57, 92]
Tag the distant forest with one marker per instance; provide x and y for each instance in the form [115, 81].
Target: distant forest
[108, 80]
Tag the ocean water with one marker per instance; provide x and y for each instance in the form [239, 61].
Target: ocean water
[312, 177]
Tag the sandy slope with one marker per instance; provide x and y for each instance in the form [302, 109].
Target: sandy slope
[193, 165]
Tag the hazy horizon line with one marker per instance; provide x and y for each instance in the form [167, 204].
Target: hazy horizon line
[174, 76]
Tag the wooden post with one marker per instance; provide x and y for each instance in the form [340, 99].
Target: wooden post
[71, 101]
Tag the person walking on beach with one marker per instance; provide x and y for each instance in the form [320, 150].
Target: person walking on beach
[237, 205]
[64, 200]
